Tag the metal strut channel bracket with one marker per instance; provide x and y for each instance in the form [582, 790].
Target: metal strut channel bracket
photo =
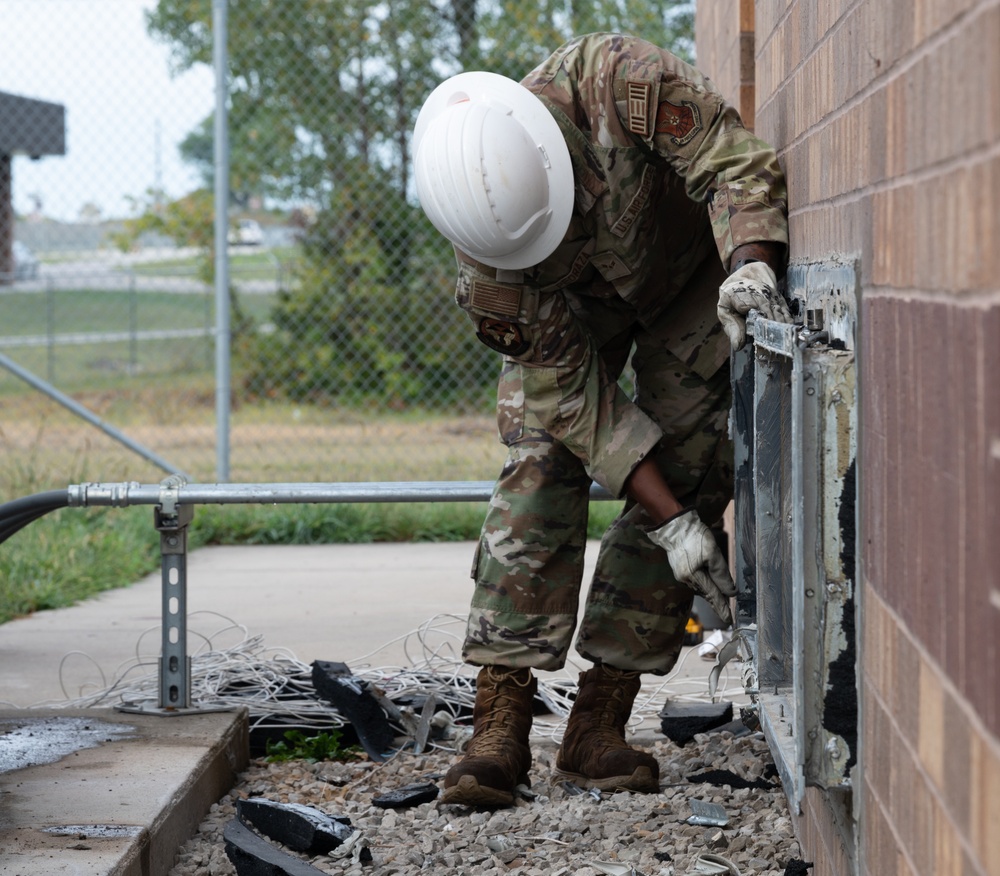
[171, 519]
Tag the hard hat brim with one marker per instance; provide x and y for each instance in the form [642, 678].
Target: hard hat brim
[544, 131]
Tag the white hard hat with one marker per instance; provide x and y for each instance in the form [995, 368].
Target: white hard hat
[492, 169]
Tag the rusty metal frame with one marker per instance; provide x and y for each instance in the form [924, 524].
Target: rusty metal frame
[794, 429]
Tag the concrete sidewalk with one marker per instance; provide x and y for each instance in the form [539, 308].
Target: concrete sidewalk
[99, 791]
[323, 602]
[131, 788]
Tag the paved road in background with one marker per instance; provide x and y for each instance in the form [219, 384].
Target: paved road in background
[114, 271]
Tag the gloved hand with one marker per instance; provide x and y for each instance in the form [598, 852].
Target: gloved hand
[696, 560]
[752, 287]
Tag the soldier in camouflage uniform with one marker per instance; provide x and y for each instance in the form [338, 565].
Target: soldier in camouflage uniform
[676, 227]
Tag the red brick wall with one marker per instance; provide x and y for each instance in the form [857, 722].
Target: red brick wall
[887, 119]
[729, 56]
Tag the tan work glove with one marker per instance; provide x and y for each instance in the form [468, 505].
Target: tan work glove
[752, 287]
[696, 560]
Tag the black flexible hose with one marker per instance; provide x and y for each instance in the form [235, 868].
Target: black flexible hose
[18, 513]
[12, 527]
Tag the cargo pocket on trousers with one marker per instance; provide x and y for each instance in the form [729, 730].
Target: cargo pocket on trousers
[474, 571]
[510, 403]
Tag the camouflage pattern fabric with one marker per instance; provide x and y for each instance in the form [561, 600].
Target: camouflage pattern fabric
[529, 563]
[651, 138]
[668, 184]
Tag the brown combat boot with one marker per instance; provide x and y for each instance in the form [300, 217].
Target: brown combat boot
[593, 753]
[497, 757]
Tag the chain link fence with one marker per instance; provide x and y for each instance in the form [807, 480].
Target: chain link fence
[349, 359]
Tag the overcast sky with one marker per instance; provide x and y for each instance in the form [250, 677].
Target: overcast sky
[95, 58]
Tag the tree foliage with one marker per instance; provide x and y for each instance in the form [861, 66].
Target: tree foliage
[189, 222]
[322, 101]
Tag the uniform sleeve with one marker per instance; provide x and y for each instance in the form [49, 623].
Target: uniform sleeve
[722, 164]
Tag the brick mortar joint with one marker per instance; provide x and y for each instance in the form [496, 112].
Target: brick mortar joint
[975, 722]
[898, 68]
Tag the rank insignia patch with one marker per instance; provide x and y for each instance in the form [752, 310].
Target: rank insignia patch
[502, 336]
[637, 98]
[680, 123]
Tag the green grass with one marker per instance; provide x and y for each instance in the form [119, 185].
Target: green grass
[76, 553]
[114, 364]
[243, 264]
[92, 310]
[95, 310]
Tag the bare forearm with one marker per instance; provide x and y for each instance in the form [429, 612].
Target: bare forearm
[772, 254]
[647, 486]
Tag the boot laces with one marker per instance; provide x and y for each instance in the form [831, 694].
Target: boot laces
[612, 715]
[492, 736]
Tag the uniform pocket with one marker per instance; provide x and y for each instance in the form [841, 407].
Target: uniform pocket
[741, 193]
[504, 314]
[481, 295]
[476, 558]
[510, 403]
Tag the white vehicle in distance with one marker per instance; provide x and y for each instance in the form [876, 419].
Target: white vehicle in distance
[247, 233]
[25, 262]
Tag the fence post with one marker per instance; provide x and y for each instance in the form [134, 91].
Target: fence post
[133, 323]
[222, 327]
[50, 331]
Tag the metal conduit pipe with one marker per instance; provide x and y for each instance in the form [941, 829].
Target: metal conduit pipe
[175, 491]
[180, 493]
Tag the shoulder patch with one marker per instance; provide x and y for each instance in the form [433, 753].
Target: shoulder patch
[503, 336]
[495, 298]
[681, 123]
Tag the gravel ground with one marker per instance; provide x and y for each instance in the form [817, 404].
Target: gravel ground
[550, 831]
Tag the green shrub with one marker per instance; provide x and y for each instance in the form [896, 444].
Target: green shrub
[297, 746]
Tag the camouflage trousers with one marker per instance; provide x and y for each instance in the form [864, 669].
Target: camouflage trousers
[528, 569]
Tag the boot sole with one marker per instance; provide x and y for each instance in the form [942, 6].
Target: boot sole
[641, 781]
[468, 792]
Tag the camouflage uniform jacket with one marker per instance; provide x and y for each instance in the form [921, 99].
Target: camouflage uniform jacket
[652, 143]
[649, 135]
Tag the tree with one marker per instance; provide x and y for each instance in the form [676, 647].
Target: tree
[316, 84]
[323, 98]
[188, 221]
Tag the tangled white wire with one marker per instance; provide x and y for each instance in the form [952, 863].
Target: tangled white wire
[277, 688]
